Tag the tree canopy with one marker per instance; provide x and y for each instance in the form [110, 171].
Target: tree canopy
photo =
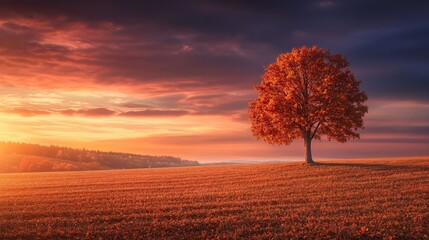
[307, 93]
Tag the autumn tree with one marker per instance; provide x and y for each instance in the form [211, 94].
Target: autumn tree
[305, 94]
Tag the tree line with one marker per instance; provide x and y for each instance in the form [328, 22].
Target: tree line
[26, 157]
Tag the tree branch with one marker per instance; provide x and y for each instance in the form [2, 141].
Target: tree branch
[315, 130]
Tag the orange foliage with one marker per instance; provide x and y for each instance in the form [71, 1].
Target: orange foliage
[305, 94]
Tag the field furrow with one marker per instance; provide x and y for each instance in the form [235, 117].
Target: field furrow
[338, 199]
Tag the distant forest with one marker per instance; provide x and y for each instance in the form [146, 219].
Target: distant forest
[25, 157]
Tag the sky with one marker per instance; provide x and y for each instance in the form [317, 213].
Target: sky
[175, 77]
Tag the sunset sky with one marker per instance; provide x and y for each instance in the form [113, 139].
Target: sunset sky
[175, 77]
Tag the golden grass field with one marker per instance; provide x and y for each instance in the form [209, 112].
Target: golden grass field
[378, 198]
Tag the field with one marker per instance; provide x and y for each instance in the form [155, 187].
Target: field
[378, 198]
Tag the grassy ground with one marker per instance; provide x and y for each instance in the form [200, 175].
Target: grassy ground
[384, 198]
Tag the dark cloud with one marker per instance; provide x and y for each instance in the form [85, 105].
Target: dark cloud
[201, 44]
[399, 130]
[223, 43]
[211, 69]
[394, 44]
[398, 85]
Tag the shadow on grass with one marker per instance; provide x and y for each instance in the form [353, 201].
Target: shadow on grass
[374, 166]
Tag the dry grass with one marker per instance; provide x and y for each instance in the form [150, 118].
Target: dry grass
[342, 199]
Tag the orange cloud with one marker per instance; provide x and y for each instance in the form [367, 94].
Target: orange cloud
[94, 112]
[27, 112]
[154, 113]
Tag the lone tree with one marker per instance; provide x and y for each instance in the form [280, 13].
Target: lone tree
[305, 94]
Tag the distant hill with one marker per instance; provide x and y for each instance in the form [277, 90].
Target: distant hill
[25, 157]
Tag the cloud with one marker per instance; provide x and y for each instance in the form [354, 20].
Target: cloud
[138, 59]
[399, 130]
[224, 108]
[326, 4]
[79, 44]
[134, 105]
[154, 113]
[27, 112]
[94, 112]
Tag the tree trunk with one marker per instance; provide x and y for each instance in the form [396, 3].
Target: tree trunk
[307, 146]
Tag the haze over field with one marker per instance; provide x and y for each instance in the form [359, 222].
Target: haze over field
[175, 79]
